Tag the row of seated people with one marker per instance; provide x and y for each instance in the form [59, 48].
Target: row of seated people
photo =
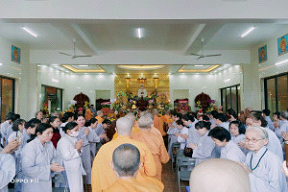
[256, 147]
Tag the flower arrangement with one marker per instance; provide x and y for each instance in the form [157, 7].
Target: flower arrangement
[212, 106]
[72, 106]
[198, 105]
[45, 108]
[86, 105]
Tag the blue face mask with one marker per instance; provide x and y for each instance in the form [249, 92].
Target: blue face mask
[189, 125]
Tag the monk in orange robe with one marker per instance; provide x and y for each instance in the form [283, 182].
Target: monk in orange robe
[102, 175]
[99, 116]
[166, 118]
[158, 122]
[135, 128]
[154, 141]
[126, 163]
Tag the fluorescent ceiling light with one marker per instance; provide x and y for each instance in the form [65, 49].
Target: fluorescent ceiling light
[281, 62]
[83, 65]
[247, 32]
[139, 32]
[1, 64]
[226, 80]
[198, 65]
[55, 80]
[141, 67]
[30, 32]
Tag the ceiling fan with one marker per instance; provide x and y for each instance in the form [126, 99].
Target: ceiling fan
[201, 56]
[74, 53]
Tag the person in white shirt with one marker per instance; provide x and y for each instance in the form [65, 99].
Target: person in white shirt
[39, 160]
[255, 118]
[6, 128]
[69, 149]
[265, 114]
[83, 135]
[237, 131]
[67, 117]
[7, 171]
[171, 132]
[18, 132]
[93, 138]
[221, 121]
[193, 135]
[229, 150]
[284, 125]
[205, 148]
[183, 135]
[263, 166]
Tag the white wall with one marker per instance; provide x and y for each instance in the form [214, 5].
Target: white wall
[196, 84]
[24, 75]
[268, 68]
[208, 83]
[74, 84]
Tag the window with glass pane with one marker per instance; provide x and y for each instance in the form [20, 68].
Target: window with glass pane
[282, 93]
[230, 98]
[238, 98]
[233, 98]
[7, 97]
[51, 99]
[276, 93]
[223, 98]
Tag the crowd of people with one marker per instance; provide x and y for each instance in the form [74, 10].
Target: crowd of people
[90, 152]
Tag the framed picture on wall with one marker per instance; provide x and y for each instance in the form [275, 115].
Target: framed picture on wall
[16, 54]
[262, 53]
[282, 44]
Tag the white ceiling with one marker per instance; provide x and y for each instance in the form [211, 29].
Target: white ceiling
[104, 37]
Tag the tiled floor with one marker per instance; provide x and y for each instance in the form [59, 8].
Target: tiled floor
[169, 179]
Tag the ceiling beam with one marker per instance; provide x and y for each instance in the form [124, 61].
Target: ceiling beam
[193, 38]
[83, 35]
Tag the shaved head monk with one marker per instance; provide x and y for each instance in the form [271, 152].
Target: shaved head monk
[154, 141]
[126, 163]
[219, 175]
[135, 128]
[102, 174]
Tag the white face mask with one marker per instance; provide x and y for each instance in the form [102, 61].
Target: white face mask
[74, 133]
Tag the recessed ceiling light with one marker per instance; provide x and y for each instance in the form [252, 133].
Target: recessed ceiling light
[55, 80]
[30, 32]
[139, 33]
[226, 80]
[1, 64]
[247, 32]
[198, 65]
